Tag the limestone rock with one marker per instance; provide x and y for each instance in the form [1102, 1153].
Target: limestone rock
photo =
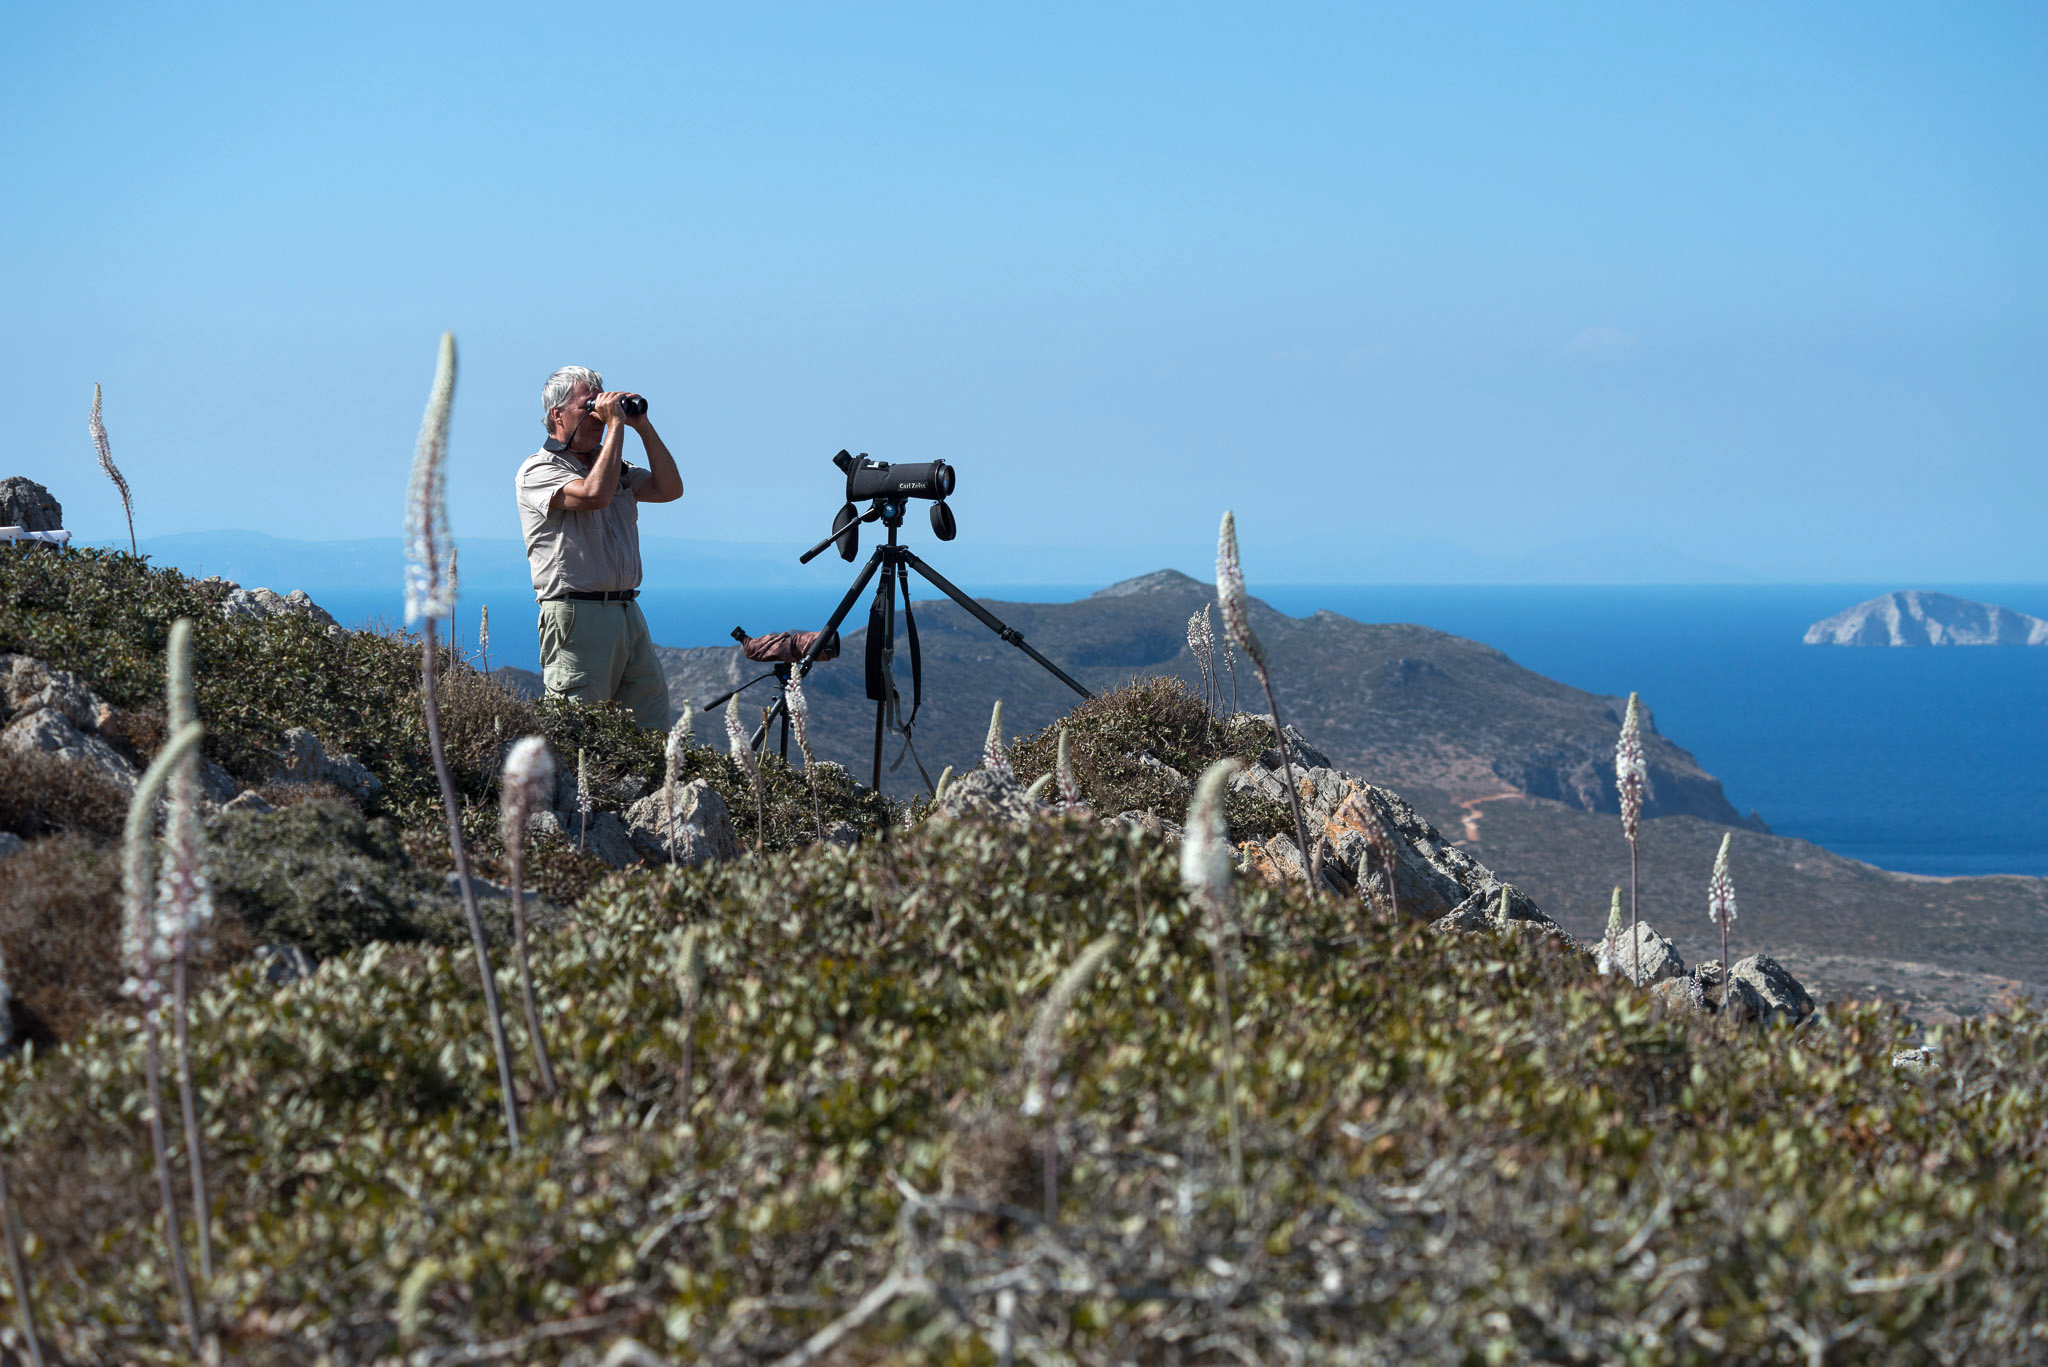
[1781, 993]
[1173, 776]
[1481, 912]
[248, 800]
[1659, 961]
[983, 794]
[303, 759]
[258, 603]
[703, 830]
[216, 784]
[48, 730]
[1683, 995]
[29, 506]
[843, 834]
[1915, 1061]
[608, 840]
[1742, 1002]
[1148, 821]
[1256, 778]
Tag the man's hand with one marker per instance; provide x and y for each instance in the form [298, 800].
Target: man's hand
[607, 410]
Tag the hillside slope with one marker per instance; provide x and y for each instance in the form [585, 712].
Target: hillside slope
[1418, 710]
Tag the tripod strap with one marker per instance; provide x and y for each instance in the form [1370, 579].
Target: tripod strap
[916, 660]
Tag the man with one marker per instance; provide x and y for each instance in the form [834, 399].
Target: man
[579, 507]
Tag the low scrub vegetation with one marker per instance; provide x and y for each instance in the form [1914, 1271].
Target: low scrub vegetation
[1468, 1149]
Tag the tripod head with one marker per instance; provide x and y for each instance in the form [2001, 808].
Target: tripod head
[888, 489]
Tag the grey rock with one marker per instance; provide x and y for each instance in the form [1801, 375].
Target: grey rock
[843, 834]
[301, 758]
[215, 783]
[1430, 877]
[1481, 912]
[1166, 771]
[980, 793]
[29, 506]
[607, 839]
[49, 731]
[11, 844]
[702, 833]
[29, 685]
[248, 800]
[1659, 956]
[1256, 778]
[1683, 995]
[260, 603]
[1147, 821]
[1783, 996]
[548, 822]
[353, 777]
[1742, 1002]
[1915, 1060]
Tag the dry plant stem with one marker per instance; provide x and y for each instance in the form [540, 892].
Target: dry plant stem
[1227, 1024]
[195, 1156]
[540, 1044]
[1287, 764]
[174, 1238]
[1635, 939]
[476, 921]
[20, 1276]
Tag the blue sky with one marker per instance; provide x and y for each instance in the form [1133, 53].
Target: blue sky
[1746, 287]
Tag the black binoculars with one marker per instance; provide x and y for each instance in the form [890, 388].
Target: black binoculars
[633, 407]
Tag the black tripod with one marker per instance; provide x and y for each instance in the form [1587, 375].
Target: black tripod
[895, 563]
[780, 673]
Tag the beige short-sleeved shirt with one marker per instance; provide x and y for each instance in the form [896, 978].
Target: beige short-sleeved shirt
[578, 552]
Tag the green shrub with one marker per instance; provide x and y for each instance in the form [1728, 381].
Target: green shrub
[323, 877]
[1162, 717]
[1459, 1150]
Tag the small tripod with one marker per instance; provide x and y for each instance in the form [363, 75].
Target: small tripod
[895, 563]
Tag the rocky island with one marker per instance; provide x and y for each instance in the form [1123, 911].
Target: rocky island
[1912, 617]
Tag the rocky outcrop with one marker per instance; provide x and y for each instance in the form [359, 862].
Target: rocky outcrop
[1915, 618]
[701, 832]
[260, 603]
[303, 759]
[53, 711]
[1351, 823]
[29, 506]
[1658, 959]
[1781, 995]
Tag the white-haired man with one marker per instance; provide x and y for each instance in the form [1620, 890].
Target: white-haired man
[579, 507]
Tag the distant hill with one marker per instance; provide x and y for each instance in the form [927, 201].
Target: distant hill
[1422, 711]
[1914, 618]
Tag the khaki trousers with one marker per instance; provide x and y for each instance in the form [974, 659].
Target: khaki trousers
[601, 652]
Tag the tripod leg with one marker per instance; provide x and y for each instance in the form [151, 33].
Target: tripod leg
[885, 596]
[992, 622]
[867, 572]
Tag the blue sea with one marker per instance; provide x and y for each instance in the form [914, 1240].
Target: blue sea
[1931, 761]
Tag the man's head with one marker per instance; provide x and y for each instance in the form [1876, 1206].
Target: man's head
[561, 401]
